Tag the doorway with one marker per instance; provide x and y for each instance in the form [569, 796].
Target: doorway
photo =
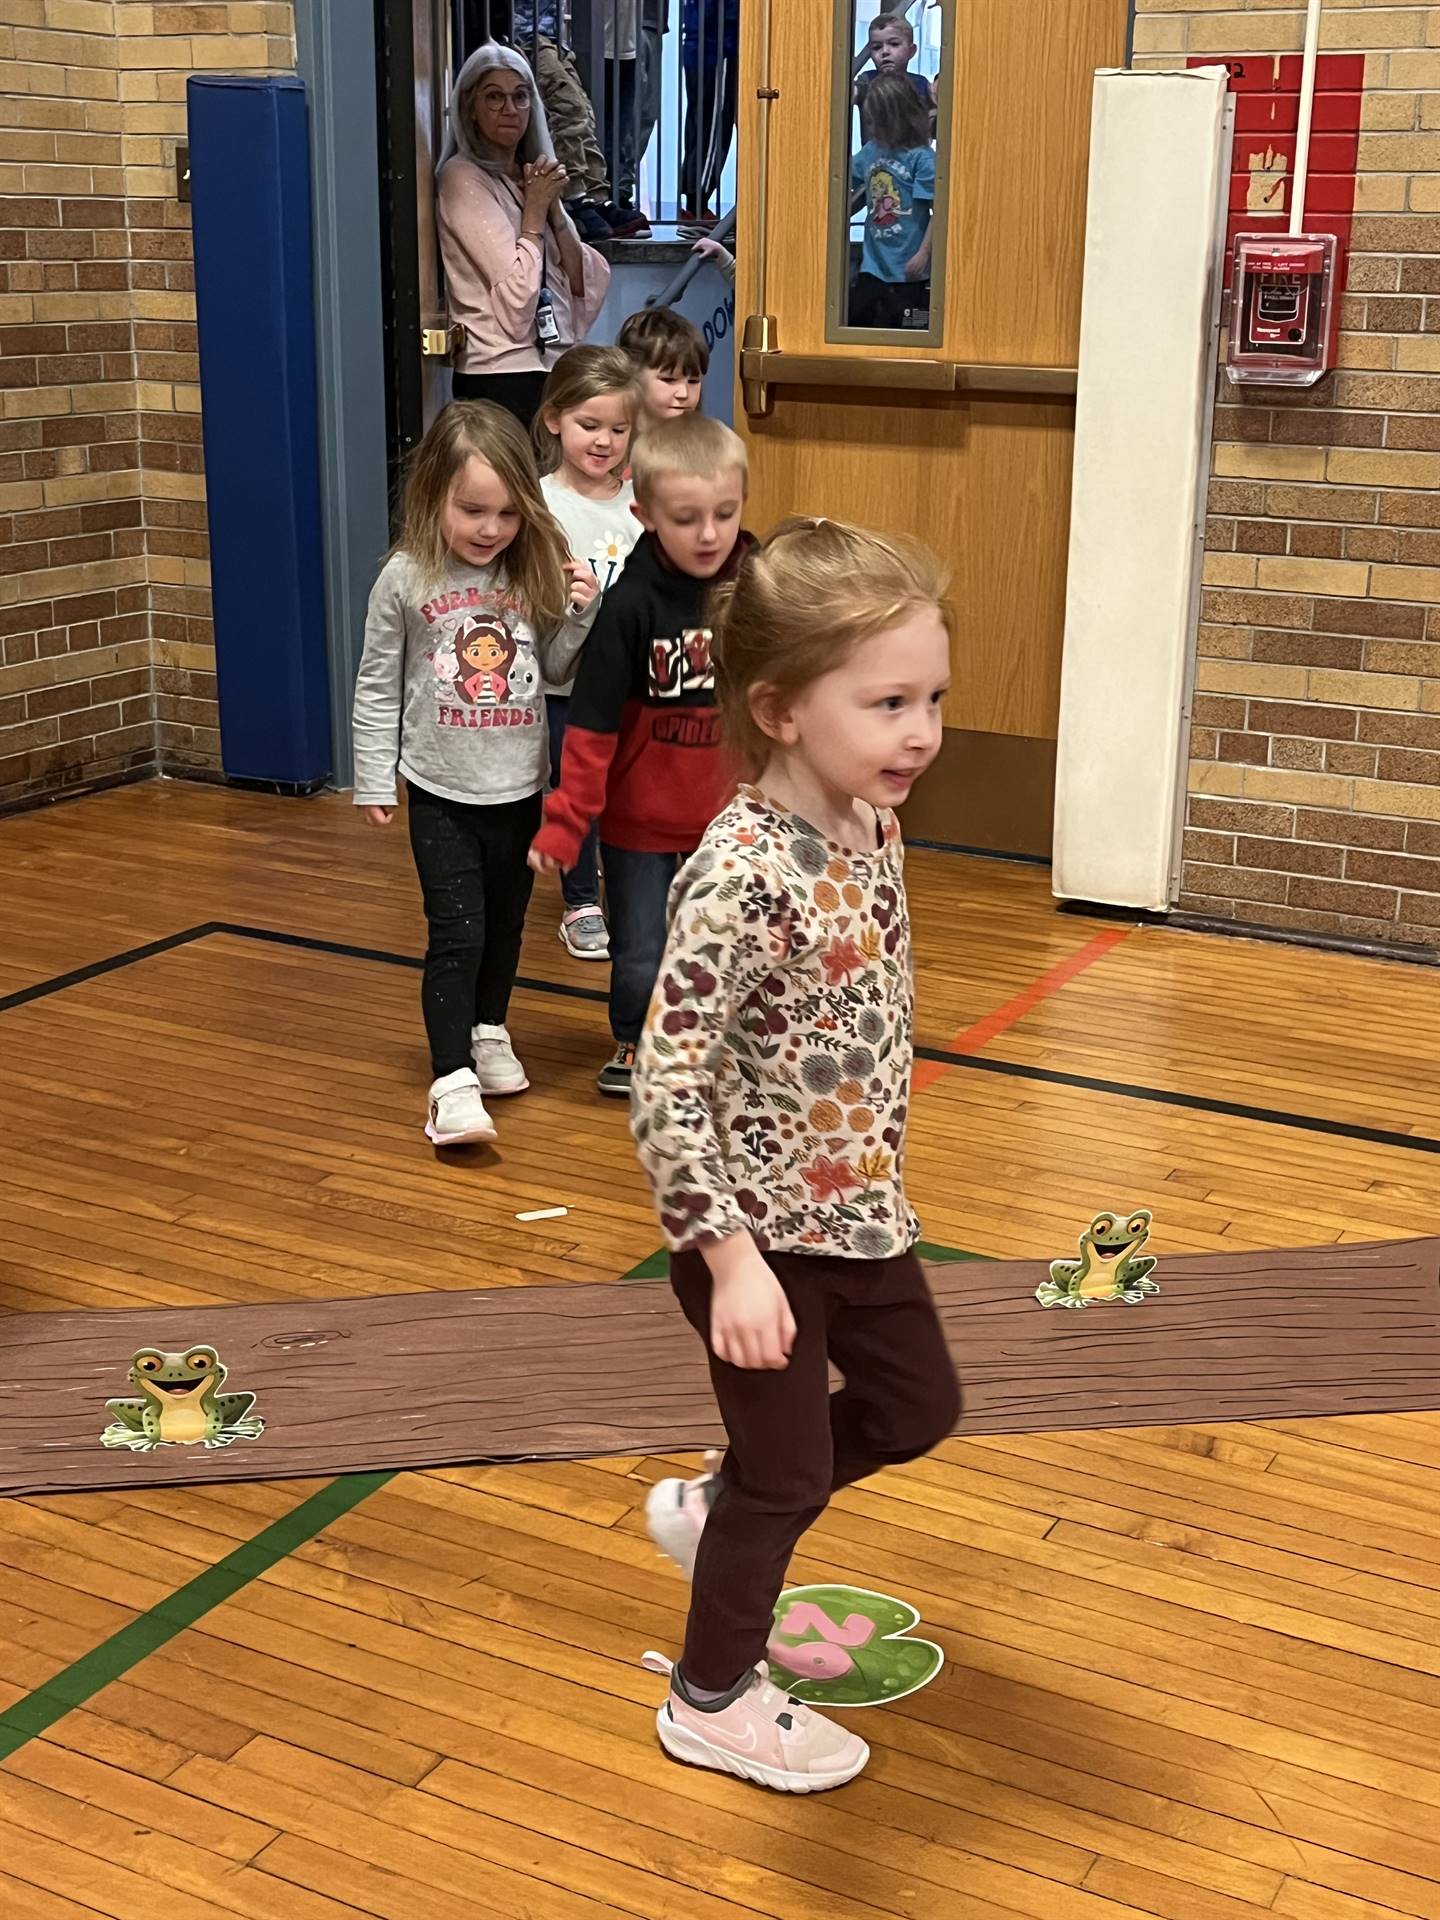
[948, 412]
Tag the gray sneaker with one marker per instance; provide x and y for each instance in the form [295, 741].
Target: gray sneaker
[615, 1076]
[584, 934]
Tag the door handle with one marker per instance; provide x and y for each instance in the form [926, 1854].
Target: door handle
[984, 376]
[847, 370]
[760, 370]
[438, 343]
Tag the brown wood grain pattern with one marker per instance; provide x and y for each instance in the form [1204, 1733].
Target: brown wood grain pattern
[987, 484]
[568, 1372]
[498, 1634]
[1020, 83]
[1021, 90]
[244, 1124]
[386, 1621]
[1190, 1669]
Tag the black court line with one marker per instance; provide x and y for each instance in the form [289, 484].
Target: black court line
[560, 988]
[24, 995]
[1196, 1102]
[979, 1063]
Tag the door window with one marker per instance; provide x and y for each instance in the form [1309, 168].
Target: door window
[887, 171]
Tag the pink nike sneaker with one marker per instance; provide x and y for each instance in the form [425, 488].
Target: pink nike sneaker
[762, 1735]
[677, 1510]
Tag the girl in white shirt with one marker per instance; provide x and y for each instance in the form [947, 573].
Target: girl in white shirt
[582, 440]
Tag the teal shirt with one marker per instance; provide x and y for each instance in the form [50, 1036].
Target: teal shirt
[899, 197]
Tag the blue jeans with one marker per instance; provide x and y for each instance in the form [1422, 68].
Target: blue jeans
[637, 887]
[580, 887]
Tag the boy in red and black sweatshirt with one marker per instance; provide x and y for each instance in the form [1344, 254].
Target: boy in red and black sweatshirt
[642, 749]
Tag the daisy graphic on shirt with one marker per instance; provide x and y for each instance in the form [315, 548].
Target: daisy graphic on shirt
[608, 556]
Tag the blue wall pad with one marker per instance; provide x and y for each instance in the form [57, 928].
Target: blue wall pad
[250, 198]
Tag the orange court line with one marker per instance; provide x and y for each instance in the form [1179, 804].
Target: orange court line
[927, 1072]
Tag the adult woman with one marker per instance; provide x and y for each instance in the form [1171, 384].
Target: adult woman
[521, 282]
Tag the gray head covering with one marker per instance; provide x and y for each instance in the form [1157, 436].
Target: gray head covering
[461, 135]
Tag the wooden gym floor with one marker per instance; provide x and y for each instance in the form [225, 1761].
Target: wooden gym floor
[1191, 1672]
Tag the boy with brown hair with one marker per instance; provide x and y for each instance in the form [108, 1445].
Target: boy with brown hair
[642, 748]
[670, 359]
[892, 48]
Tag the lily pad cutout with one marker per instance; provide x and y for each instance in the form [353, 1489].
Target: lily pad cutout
[848, 1647]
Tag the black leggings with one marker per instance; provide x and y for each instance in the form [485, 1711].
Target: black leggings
[517, 393]
[472, 863]
[886, 303]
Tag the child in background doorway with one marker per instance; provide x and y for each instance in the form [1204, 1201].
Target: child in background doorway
[582, 440]
[769, 1109]
[467, 613]
[671, 360]
[540, 30]
[719, 256]
[892, 48]
[641, 751]
[896, 170]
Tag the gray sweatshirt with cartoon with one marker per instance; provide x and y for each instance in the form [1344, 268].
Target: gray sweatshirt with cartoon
[449, 691]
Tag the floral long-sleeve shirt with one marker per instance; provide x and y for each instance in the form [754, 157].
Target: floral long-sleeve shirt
[772, 1080]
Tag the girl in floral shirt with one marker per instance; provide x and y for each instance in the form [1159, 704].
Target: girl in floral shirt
[770, 1097]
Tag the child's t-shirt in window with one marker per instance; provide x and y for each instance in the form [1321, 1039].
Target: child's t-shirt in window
[899, 193]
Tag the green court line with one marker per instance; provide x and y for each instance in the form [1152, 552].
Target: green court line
[946, 1256]
[74, 1685]
[657, 1266]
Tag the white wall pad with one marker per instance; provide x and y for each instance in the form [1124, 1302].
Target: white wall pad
[1147, 372]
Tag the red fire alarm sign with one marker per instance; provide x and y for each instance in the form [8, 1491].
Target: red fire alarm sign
[1282, 308]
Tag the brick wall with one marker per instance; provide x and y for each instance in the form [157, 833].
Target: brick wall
[108, 659]
[1314, 788]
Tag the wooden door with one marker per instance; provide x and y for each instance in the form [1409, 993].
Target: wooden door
[434, 64]
[982, 476]
[415, 42]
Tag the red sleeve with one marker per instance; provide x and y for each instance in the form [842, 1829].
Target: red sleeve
[580, 797]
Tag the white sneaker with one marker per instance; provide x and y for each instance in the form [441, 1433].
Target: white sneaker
[757, 1733]
[496, 1067]
[457, 1113]
[676, 1512]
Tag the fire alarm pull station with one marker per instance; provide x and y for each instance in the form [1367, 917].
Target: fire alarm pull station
[1282, 299]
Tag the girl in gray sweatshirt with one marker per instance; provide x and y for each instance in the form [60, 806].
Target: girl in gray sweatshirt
[466, 622]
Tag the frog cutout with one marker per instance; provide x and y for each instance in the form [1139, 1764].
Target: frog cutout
[848, 1647]
[1111, 1265]
[180, 1402]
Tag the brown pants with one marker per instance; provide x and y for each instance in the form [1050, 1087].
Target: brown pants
[572, 122]
[793, 1443]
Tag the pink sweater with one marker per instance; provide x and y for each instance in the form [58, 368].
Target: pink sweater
[493, 276]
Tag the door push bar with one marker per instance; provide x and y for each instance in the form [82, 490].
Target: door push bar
[762, 369]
